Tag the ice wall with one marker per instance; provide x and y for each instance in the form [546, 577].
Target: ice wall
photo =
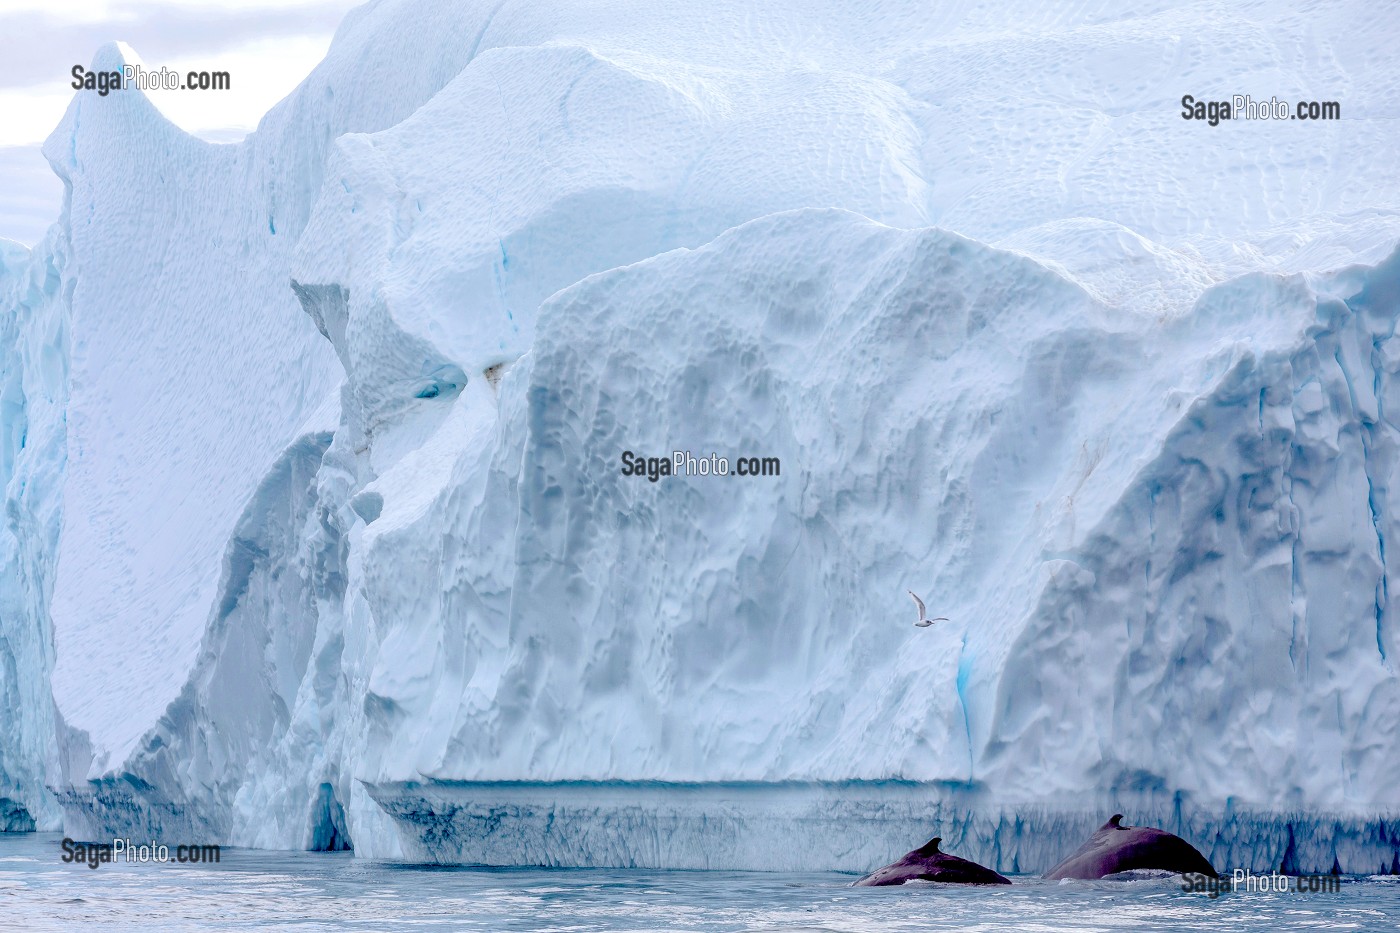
[174, 366]
[1025, 460]
[1234, 608]
[192, 367]
[323, 515]
[33, 393]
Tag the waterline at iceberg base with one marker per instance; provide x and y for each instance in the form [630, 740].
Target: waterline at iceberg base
[837, 826]
[789, 826]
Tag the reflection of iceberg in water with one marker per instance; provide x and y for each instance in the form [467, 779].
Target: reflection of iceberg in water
[320, 537]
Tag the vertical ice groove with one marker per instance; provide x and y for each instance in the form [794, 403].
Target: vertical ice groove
[1383, 585]
[1378, 509]
[964, 673]
[1294, 583]
[1364, 429]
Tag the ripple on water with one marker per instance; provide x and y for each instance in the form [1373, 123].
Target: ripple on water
[256, 890]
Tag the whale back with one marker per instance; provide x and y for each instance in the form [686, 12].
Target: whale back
[1115, 848]
[928, 863]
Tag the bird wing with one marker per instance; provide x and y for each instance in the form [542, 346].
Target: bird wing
[918, 602]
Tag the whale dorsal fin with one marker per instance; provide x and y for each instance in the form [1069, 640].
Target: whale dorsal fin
[1114, 822]
[929, 848]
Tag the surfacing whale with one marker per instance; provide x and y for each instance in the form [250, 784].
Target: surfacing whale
[926, 863]
[1115, 848]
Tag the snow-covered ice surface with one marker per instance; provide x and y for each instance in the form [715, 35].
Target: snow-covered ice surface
[315, 521]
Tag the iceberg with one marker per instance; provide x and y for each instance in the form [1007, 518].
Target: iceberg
[318, 533]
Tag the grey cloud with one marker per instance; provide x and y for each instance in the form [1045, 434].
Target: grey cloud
[33, 194]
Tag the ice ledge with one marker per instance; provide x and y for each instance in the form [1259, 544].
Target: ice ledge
[837, 826]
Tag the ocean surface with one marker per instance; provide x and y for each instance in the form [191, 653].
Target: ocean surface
[255, 890]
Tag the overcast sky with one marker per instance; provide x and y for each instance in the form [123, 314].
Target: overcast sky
[266, 46]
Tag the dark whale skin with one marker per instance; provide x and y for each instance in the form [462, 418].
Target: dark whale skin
[1114, 848]
[926, 863]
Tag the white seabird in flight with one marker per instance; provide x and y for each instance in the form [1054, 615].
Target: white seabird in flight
[924, 620]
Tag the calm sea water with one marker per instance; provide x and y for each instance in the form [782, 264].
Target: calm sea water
[254, 890]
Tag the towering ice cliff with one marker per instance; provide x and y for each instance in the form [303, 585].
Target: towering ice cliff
[316, 529]
[33, 361]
